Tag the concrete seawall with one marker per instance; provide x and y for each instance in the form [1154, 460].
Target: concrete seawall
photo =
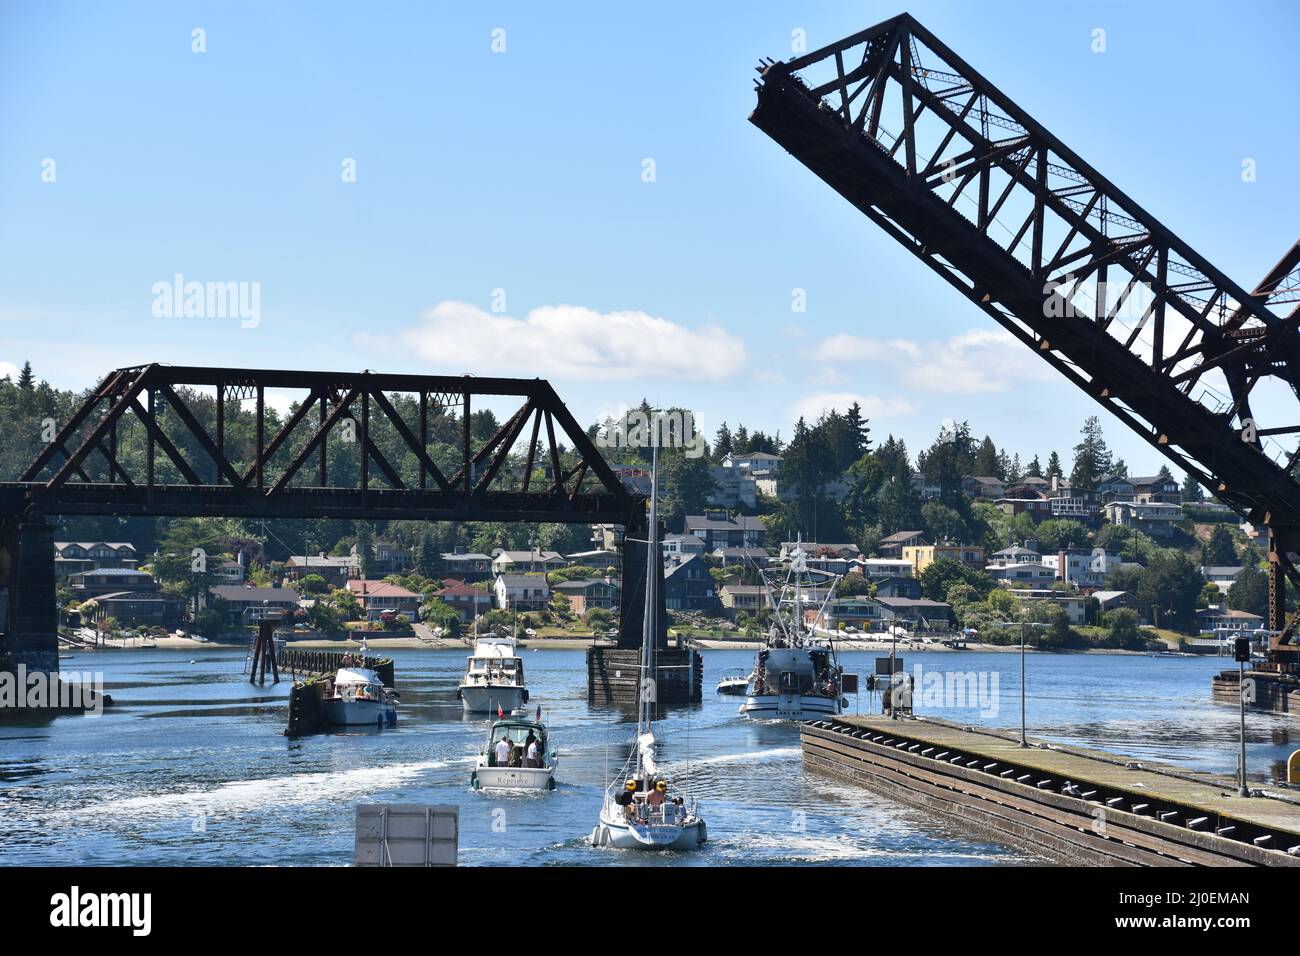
[1067, 804]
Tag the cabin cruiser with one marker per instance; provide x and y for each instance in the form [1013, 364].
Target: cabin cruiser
[796, 674]
[643, 808]
[505, 764]
[358, 698]
[494, 678]
[734, 682]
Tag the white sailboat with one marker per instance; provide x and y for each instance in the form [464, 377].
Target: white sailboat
[796, 674]
[643, 809]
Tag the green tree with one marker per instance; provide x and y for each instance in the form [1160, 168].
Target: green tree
[1092, 459]
[1053, 466]
[1192, 488]
[942, 523]
[1221, 549]
[1171, 585]
[942, 573]
[438, 613]
[1122, 628]
[1249, 591]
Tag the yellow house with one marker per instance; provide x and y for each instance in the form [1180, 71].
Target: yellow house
[922, 556]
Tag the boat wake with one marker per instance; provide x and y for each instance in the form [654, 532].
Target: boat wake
[253, 795]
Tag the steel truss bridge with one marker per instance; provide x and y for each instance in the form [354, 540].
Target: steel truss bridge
[949, 166]
[285, 473]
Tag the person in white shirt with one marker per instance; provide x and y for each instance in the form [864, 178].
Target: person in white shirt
[533, 755]
[503, 749]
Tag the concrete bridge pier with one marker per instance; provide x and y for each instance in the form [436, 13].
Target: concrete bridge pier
[28, 615]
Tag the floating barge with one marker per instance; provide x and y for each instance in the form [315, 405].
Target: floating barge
[1070, 804]
[1275, 693]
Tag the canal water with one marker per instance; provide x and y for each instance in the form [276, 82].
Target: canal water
[190, 767]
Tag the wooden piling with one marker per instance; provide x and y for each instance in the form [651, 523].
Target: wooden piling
[614, 675]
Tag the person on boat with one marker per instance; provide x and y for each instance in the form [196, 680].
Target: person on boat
[503, 751]
[656, 797]
[531, 756]
[528, 743]
[627, 799]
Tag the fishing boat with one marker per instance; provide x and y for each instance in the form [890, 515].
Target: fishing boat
[505, 765]
[796, 674]
[358, 698]
[494, 678]
[734, 682]
[643, 809]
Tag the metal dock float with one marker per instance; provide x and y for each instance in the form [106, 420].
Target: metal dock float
[1072, 804]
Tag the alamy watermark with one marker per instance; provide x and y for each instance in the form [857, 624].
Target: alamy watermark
[179, 299]
[637, 429]
[950, 690]
[44, 690]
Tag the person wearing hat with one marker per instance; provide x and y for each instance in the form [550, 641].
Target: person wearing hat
[626, 797]
[657, 796]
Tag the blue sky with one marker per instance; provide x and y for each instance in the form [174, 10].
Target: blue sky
[521, 171]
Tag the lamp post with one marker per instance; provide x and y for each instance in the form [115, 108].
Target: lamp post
[1024, 740]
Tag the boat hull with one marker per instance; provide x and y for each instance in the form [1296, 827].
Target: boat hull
[622, 835]
[514, 778]
[789, 706]
[360, 713]
[487, 699]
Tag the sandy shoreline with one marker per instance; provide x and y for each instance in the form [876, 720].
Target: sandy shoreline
[582, 643]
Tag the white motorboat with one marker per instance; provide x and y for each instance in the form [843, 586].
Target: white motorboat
[505, 764]
[796, 674]
[734, 682]
[643, 809]
[358, 698]
[494, 678]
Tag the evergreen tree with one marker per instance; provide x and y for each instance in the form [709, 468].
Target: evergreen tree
[1035, 470]
[722, 443]
[1053, 466]
[860, 429]
[986, 460]
[1221, 549]
[1119, 469]
[1092, 459]
[1192, 488]
[740, 442]
[26, 380]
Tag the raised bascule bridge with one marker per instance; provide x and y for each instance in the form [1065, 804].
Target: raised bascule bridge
[192, 464]
[948, 165]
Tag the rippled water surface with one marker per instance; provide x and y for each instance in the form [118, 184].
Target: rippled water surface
[191, 765]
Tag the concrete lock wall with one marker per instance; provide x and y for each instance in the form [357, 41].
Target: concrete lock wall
[28, 616]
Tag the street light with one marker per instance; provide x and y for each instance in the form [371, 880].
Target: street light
[1024, 741]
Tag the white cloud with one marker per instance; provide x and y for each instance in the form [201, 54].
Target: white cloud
[570, 342]
[977, 361]
[10, 369]
[873, 406]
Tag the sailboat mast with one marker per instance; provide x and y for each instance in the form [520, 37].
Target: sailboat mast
[649, 623]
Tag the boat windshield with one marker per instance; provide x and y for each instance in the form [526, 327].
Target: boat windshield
[518, 735]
